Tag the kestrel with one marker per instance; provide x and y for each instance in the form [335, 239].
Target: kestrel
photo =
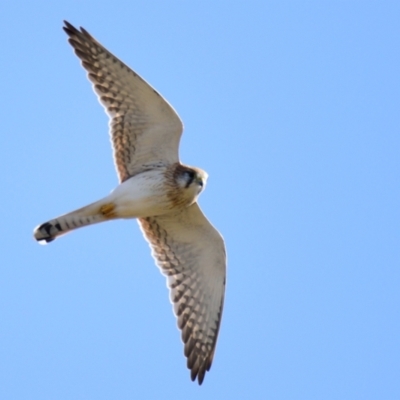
[160, 192]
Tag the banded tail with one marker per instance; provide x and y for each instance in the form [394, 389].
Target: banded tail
[93, 213]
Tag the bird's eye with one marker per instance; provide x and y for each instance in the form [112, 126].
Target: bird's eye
[189, 175]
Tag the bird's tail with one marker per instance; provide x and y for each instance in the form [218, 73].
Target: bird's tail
[91, 214]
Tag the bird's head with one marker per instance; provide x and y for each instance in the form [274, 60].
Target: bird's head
[192, 181]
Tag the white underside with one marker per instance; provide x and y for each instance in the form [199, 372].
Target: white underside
[142, 195]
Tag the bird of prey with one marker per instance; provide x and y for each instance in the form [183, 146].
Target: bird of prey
[160, 192]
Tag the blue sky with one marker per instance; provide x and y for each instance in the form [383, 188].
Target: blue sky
[293, 110]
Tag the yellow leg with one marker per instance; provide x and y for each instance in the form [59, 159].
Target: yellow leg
[108, 210]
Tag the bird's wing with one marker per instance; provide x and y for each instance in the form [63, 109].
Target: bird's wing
[191, 254]
[145, 130]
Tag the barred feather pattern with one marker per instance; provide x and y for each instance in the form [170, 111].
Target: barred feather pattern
[191, 254]
[145, 133]
[144, 128]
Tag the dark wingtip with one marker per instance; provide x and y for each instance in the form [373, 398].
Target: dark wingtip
[85, 32]
[70, 30]
[68, 25]
[198, 373]
[200, 378]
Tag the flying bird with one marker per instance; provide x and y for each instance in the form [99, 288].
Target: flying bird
[158, 190]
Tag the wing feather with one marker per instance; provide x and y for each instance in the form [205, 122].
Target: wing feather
[145, 130]
[191, 254]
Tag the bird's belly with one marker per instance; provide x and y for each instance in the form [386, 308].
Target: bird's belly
[141, 207]
[141, 196]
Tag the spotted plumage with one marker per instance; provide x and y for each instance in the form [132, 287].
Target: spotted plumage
[160, 192]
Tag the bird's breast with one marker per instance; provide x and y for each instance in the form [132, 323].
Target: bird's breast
[147, 194]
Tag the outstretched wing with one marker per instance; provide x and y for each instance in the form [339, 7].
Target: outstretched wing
[145, 130]
[191, 254]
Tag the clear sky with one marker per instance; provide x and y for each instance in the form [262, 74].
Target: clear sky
[293, 108]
